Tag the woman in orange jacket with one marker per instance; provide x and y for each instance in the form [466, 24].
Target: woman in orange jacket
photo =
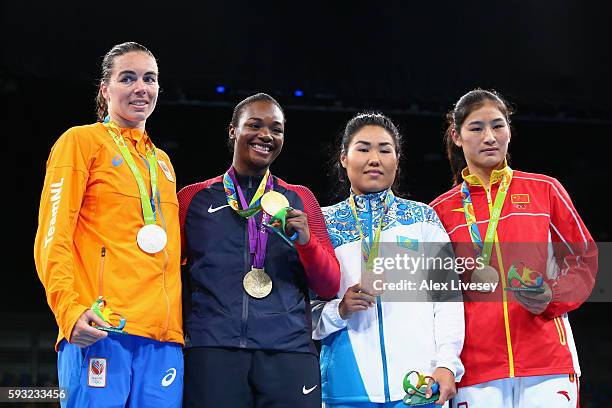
[107, 247]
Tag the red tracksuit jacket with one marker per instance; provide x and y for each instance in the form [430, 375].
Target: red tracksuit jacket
[539, 228]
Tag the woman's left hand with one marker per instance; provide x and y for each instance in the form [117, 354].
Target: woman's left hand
[535, 302]
[446, 381]
[297, 221]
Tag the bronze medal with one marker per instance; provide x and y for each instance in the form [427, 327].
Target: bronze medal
[486, 274]
[257, 283]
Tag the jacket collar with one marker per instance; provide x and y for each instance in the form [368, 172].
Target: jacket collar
[134, 137]
[371, 201]
[496, 175]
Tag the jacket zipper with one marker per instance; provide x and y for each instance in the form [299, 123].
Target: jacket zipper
[247, 264]
[381, 331]
[164, 268]
[381, 335]
[101, 272]
[504, 285]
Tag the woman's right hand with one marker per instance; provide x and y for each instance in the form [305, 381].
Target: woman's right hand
[354, 300]
[83, 334]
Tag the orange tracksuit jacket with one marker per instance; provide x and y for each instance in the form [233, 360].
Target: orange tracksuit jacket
[502, 338]
[90, 201]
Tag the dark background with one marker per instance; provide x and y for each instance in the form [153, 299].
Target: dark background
[551, 59]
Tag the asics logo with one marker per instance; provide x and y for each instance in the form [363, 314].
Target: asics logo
[307, 391]
[117, 160]
[212, 210]
[169, 378]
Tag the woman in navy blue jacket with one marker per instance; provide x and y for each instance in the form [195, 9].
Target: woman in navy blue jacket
[248, 328]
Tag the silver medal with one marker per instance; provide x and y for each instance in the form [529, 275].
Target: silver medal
[152, 238]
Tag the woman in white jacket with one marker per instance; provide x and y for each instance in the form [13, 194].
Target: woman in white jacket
[368, 343]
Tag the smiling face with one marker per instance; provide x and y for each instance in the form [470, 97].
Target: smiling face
[258, 137]
[370, 160]
[131, 92]
[484, 139]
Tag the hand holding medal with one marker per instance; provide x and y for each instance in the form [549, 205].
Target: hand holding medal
[528, 281]
[529, 289]
[424, 389]
[417, 393]
[355, 299]
[104, 312]
[284, 219]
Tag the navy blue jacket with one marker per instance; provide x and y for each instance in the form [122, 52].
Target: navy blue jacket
[216, 250]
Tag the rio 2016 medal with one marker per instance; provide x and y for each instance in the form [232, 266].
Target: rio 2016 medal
[257, 283]
[276, 206]
[152, 238]
[272, 202]
[486, 274]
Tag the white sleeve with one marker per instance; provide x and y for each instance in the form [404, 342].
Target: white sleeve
[449, 332]
[328, 321]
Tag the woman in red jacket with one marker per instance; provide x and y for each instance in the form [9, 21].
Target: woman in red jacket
[535, 253]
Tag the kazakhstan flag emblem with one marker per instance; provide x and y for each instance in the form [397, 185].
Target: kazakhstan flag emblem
[408, 243]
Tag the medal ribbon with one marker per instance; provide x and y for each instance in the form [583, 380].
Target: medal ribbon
[148, 204]
[470, 216]
[258, 237]
[230, 185]
[369, 250]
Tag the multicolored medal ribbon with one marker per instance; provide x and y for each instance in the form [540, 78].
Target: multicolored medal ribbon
[370, 249]
[486, 274]
[256, 282]
[151, 238]
[527, 281]
[416, 393]
[232, 193]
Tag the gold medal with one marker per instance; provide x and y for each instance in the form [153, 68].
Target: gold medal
[257, 283]
[486, 274]
[272, 202]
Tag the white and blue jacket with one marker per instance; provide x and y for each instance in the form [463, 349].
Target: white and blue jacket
[366, 357]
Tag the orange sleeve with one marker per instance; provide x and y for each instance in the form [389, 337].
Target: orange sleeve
[64, 186]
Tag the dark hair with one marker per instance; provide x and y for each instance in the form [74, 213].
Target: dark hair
[108, 63]
[353, 126]
[467, 104]
[241, 106]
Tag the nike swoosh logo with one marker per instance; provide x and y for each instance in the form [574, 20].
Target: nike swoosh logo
[307, 391]
[212, 210]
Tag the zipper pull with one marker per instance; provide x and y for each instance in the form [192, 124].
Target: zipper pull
[488, 195]
[101, 272]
